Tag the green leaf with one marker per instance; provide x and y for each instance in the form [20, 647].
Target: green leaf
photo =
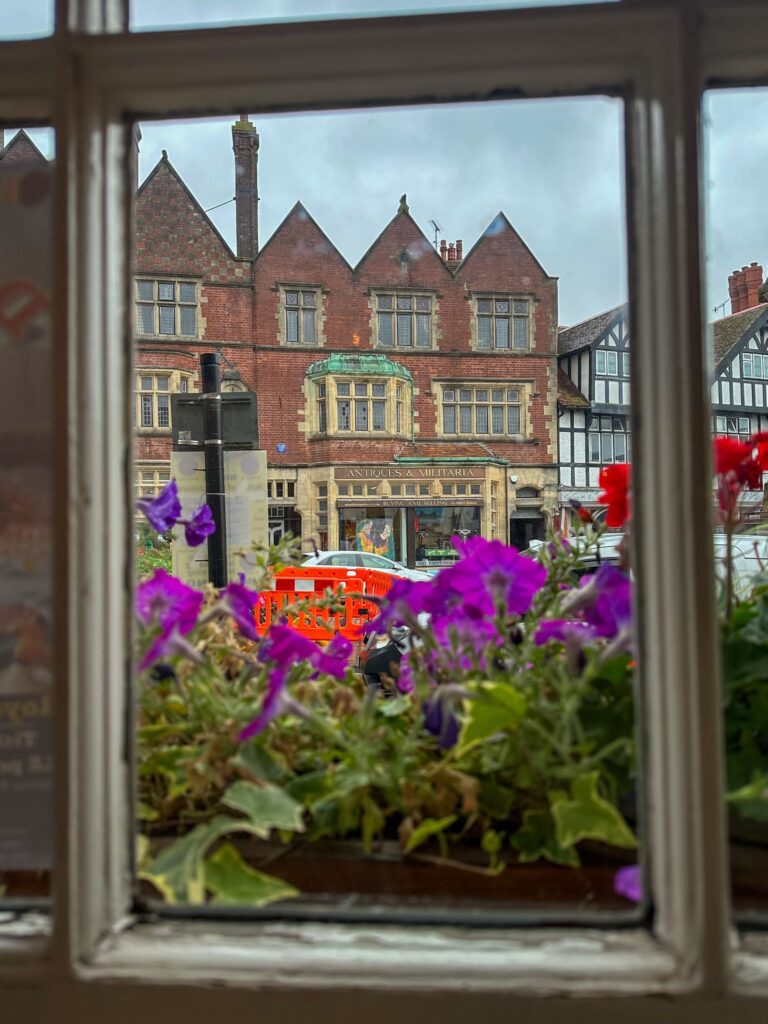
[309, 788]
[177, 872]
[257, 762]
[751, 801]
[429, 827]
[232, 881]
[537, 839]
[586, 815]
[146, 813]
[373, 822]
[498, 707]
[394, 707]
[266, 807]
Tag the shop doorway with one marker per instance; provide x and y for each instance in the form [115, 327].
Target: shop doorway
[525, 527]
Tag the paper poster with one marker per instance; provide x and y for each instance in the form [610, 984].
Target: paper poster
[26, 729]
[245, 482]
[376, 537]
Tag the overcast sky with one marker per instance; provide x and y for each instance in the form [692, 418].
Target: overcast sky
[555, 167]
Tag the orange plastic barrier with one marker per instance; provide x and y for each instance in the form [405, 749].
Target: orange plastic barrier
[299, 583]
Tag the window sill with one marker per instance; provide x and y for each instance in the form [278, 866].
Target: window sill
[285, 955]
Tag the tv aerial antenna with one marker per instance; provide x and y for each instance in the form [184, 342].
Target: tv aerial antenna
[438, 229]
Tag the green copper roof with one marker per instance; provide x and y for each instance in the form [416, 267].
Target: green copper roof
[354, 363]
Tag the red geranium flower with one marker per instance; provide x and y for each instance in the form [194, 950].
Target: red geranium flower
[614, 481]
[738, 458]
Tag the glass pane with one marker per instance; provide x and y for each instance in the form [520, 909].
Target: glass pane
[187, 292]
[291, 325]
[166, 291]
[379, 415]
[163, 411]
[308, 326]
[147, 383]
[736, 348]
[385, 328]
[147, 419]
[422, 331]
[145, 290]
[148, 15]
[361, 415]
[167, 319]
[521, 332]
[502, 332]
[446, 473]
[145, 319]
[404, 328]
[27, 511]
[188, 316]
[484, 331]
[29, 20]
[161, 382]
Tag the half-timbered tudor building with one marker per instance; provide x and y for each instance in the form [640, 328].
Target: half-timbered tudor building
[593, 401]
[402, 400]
[594, 386]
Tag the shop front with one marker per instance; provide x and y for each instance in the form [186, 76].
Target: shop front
[410, 513]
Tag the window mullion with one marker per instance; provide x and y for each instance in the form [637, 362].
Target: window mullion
[92, 541]
[672, 495]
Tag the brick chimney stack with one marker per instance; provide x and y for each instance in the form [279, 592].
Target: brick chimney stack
[744, 287]
[451, 252]
[459, 250]
[443, 250]
[245, 144]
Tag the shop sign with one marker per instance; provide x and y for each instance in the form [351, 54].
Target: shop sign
[409, 472]
[374, 502]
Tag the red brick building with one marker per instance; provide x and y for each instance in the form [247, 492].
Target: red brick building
[402, 400]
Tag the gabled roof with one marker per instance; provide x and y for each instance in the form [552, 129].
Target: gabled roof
[21, 147]
[165, 163]
[428, 247]
[502, 223]
[728, 332]
[568, 395]
[570, 339]
[299, 210]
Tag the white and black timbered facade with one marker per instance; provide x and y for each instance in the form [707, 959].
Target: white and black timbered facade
[740, 384]
[594, 392]
[594, 397]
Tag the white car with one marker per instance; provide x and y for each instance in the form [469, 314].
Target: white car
[362, 560]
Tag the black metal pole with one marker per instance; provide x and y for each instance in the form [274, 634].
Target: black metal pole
[210, 372]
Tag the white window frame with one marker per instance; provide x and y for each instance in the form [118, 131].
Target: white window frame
[101, 959]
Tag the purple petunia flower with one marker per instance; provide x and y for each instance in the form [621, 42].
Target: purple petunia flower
[199, 526]
[405, 601]
[162, 511]
[167, 643]
[489, 574]
[273, 706]
[566, 631]
[285, 647]
[628, 882]
[440, 720]
[165, 601]
[240, 602]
